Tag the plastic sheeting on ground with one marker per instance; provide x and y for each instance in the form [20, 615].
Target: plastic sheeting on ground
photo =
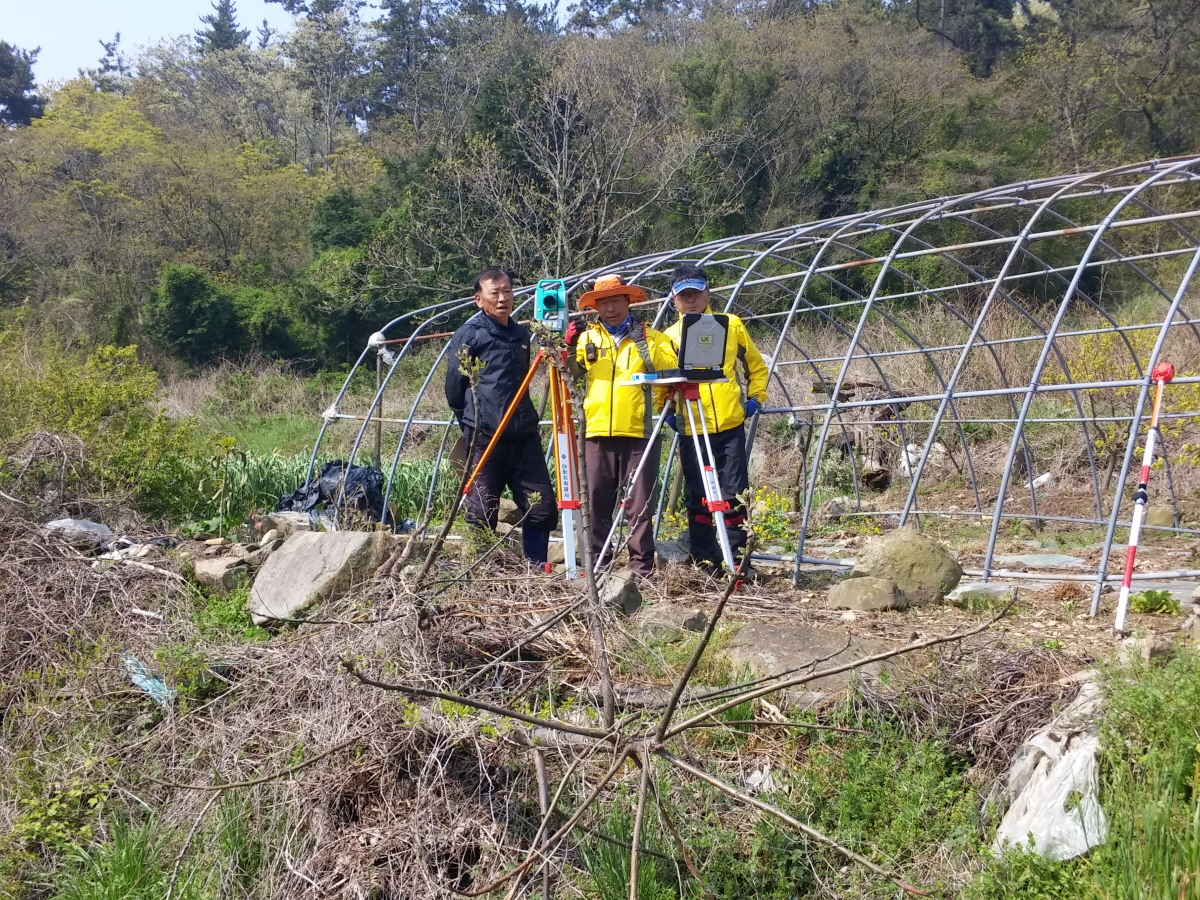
[1053, 785]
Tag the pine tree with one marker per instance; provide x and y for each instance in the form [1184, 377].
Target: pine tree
[222, 32]
[18, 103]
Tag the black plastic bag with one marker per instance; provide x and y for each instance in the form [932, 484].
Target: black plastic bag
[340, 489]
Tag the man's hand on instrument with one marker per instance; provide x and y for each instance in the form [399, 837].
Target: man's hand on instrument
[753, 408]
[670, 422]
[573, 332]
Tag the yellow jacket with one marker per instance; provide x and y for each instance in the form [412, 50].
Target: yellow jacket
[725, 404]
[613, 409]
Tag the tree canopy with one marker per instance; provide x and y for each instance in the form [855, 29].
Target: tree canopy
[221, 31]
[324, 181]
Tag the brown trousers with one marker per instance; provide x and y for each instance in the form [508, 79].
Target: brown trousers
[610, 463]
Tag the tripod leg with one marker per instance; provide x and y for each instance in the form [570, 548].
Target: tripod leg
[712, 488]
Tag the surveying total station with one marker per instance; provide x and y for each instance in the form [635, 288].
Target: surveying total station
[702, 342]
[550, 308]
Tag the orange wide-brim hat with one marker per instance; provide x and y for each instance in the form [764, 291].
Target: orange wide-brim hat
[611, 286]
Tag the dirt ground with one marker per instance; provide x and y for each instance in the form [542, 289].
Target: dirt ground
[1049, 613]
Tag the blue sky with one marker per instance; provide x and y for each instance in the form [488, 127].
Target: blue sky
[69, 31]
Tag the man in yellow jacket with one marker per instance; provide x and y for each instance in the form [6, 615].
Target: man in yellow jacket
[620, 417]
[727, 405]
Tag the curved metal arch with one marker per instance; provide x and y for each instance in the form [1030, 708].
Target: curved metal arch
[1040, 366]
[774, 272]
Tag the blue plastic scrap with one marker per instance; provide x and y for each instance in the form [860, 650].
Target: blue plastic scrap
[151, 684]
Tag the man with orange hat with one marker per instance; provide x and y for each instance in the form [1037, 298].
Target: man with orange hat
[620, 416]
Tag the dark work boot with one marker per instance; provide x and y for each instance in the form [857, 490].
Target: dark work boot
[536, 544]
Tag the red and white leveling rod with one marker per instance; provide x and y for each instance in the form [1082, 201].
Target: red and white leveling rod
[1160, 375]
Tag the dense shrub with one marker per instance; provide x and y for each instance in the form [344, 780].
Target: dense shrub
[192, 316]
[103, 435]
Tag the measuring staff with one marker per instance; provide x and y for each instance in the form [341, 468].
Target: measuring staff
[722, 407]
[620, 415]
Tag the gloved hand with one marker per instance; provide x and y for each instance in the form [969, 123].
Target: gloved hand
[670, 422]
[753, 407]
[573, 332]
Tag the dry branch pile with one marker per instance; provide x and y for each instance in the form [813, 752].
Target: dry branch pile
[467, 753]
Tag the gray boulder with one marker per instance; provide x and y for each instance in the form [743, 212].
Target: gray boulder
[865, 594]
[840, 507]
[974, 595]
[257, 557]
[668, 622]
[509, 513]
[768, 649]
[620, 589]
[1159, 517]
[313, 566]
[672, 551]
[289, 523]
[921, 568]
[221, 574]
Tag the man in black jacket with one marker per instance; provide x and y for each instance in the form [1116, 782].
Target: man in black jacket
[493, 337]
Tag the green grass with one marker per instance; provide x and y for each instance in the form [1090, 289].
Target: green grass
[128, 866]
[900, 799]
[282, 433]
[607, 864]
[224, 617]
[665, 660]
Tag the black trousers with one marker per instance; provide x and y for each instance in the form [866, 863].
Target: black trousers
[729, 460]
[518, 463]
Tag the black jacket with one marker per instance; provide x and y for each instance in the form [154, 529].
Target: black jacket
[505, 354]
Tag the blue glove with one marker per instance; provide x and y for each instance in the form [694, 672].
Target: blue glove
[671, 423]
[753, 407]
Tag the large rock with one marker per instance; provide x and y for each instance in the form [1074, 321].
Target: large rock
[840, 507]
[1159, 517]
[865, 594]
[672, 551]
[976, 595]
[289, 523]
[768, 649]
[221, 574]
[921, 568]
[668, 622]
[509, 512]
[313, 566]
[620, 589]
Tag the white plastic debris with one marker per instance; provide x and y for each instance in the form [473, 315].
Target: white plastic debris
[761, 781]
[910, 458]
[1053, 786]
[80, 533]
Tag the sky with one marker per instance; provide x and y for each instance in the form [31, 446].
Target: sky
[69, 31]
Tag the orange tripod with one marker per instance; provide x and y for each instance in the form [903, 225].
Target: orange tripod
[565, 451]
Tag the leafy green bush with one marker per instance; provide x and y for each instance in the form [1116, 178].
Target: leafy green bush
[1154, 602]
[191, 315]
[105, 401]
